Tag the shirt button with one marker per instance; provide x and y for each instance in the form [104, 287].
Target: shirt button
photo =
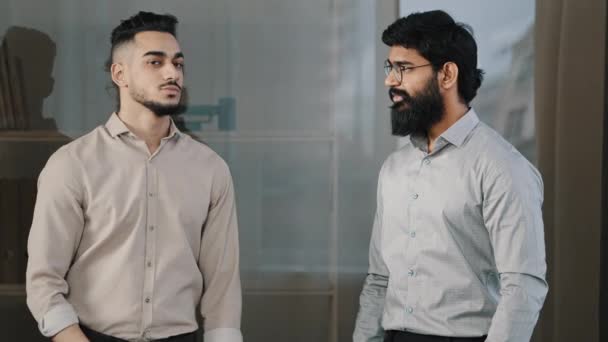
[147, 300]
[413, 234]
[427, 161]
[415, 196]
[410, 310]
[410, 273]
[151, 228]
[149, 264]
[150, 194]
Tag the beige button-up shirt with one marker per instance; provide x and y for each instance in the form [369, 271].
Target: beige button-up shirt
[129, 243]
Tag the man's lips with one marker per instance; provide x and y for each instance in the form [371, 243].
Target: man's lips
[397, 96]
[172, 89]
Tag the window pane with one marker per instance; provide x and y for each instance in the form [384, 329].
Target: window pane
[289, 93]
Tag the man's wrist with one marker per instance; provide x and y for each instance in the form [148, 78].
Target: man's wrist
[72, 333]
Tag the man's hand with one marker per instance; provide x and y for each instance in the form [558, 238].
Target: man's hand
[71, 334]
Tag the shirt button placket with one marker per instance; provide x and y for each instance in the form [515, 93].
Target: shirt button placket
[150, 238]
[411, 250]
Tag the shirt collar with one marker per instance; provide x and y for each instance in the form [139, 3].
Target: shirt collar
[460, 130]
[455, 135]
[116, 127]
[173, 130]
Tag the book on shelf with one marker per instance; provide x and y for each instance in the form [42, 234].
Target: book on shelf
[16, 79]
[6, 89]
[13, 109]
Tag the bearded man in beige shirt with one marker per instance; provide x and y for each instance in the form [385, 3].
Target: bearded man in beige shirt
[135, 222]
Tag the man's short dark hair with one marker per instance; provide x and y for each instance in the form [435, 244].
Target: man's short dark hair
[439, 39]
[140, 22]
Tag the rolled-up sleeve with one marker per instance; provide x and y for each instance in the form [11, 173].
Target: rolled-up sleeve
[219, 262]
[54, 237]
[513, 196]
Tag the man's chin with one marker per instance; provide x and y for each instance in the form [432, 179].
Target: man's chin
[166, 108]
[175, 109]
[169, 102]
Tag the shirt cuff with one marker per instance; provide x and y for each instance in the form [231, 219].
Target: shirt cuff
[223, 335]
[57, 319]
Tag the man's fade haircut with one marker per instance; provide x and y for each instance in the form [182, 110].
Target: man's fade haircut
[140, 22]
[440, 39]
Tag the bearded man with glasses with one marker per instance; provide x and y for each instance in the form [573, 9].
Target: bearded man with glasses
[457, 250]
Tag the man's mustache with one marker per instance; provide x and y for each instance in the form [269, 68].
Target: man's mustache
[171, 83]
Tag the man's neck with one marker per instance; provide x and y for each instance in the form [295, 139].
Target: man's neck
[452, 115]
[146, 125]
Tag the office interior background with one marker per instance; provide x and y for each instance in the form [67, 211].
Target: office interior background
[290, 93]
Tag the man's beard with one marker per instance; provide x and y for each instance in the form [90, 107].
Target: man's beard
[416, 115]
[163, 109]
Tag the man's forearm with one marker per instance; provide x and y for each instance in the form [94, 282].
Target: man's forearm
[73, 333]
[522, 297]
[368, 327]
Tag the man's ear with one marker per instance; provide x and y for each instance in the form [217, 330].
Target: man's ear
[117, 71]
[448, 75]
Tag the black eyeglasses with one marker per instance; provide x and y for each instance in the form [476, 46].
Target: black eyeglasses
[399, 69]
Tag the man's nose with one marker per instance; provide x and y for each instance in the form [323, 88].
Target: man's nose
[171, 72]
[390, 80]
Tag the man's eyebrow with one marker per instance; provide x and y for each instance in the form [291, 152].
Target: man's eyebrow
[163, 54]
[402, 63]
[155, 53]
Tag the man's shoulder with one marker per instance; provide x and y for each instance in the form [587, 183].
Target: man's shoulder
[492, 146]
[66, 163]
[497, 155]
[199, 151]
[72, 151]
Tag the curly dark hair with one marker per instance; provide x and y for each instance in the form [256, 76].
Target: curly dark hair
[439, 39]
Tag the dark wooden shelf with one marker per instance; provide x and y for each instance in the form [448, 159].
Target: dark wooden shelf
[32, 135]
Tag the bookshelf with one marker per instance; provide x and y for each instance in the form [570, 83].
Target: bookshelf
[23, 154]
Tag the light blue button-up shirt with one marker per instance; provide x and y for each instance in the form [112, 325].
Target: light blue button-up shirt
[457, 246]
